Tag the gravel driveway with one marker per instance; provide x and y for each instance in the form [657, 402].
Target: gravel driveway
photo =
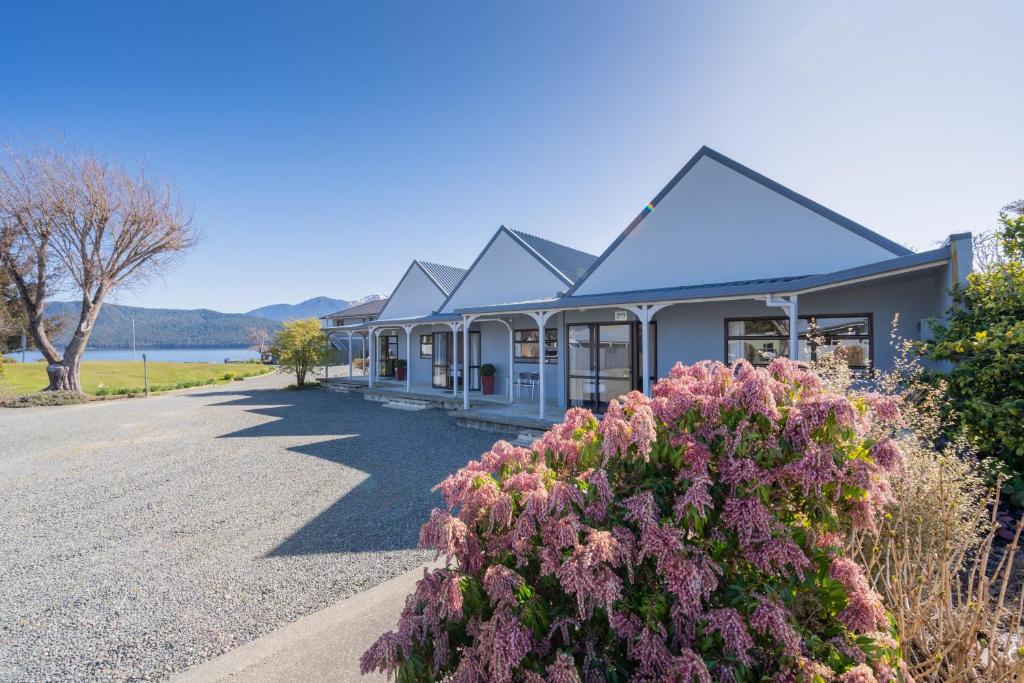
[140, 537]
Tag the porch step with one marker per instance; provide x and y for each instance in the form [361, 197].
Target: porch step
[492, 421]
[407, 404]
[526, 438]
[340, 385]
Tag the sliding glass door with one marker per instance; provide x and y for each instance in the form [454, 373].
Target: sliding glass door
[387, 356]
[604, 362]
[441, 376]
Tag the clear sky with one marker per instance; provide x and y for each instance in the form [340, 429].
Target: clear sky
[325, 145]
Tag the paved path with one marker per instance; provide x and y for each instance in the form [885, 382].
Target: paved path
[141, 537]
[322, 648]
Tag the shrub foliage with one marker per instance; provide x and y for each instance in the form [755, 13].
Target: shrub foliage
[985, 338]
[693, 536]
[46, 399]
[298, 347]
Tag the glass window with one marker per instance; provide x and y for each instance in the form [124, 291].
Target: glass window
[759, 340]
[426, 346]
[527, 350]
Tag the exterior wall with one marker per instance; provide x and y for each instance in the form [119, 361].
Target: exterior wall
[506, 272]
[494, 345]
[692, 332]
[717, 225]
[415, 295]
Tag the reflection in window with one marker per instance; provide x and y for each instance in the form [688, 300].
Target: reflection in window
[527, 350]
[759, 340]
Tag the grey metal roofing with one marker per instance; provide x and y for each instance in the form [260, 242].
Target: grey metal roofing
[778, 285]
[427, 318]
[445, 277]
[369, 308]
[705, 151]
[572, 263]
[541, 249]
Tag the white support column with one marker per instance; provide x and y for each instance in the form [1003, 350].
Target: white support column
[541, 317]
[644, 313]
[511, 362]
[790, 306]
[350, 359]
[467, 320]
[794, 329]
[408, 357]
[369, 376]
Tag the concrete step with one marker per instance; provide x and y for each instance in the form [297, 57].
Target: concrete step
[407, 404]
[526, 438]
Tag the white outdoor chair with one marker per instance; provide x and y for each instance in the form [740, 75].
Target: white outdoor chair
[525, 380]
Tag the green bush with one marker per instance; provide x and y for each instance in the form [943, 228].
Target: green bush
[228, 376]
[984, 337]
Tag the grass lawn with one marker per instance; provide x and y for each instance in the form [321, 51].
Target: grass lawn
[103, 377]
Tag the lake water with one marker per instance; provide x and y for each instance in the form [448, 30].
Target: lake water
[177, 355]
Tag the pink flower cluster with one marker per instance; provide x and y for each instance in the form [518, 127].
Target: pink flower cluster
[672, 539]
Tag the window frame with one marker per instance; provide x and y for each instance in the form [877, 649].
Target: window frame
[430, 345]
[550, 345]
[869, 336]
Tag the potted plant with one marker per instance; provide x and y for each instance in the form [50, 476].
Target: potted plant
[400, 368]
[487, 378]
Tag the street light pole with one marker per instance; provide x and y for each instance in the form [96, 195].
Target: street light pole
[133, 336]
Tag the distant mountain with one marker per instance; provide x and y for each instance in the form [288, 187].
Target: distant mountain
[161, 327]
[310, 308]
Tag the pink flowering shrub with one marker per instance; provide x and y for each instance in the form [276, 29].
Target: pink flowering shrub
[694, 536]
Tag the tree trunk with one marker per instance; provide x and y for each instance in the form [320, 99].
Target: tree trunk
[64, 374]
[300, 377]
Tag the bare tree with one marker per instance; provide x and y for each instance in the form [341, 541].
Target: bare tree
[259, 340]
[70, 221]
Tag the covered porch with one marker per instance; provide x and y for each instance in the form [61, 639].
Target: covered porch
[609, 344]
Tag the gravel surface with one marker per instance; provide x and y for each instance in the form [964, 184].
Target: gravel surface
[140, 537]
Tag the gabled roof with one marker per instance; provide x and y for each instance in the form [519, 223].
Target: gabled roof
[369, 308]
[552, 255]
[705, 151]
[571, 263]
[746, 288]
[445, 277]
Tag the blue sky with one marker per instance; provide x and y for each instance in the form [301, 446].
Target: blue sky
[325, 145]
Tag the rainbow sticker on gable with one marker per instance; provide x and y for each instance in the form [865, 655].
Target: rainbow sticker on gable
[649, 207]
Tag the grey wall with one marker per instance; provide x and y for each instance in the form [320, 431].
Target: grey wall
[688, 333]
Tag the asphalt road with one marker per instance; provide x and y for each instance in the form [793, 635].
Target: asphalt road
[140, 537]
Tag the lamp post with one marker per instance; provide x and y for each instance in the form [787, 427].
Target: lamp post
[133, 336]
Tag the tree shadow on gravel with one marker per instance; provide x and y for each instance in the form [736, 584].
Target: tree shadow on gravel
[404, 455]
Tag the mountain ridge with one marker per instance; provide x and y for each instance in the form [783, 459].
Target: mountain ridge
[183, 328]
[310, 308]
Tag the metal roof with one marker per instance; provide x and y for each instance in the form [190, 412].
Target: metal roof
[445, 277]
[742, 288]
[369, 308]
[572, 263]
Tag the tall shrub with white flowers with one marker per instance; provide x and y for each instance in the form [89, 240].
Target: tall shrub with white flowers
[692, 536]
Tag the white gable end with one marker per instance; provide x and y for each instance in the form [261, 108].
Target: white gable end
[504, 273]
[717, 225]
[415, 295]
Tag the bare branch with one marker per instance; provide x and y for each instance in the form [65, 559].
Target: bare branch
[70, 218]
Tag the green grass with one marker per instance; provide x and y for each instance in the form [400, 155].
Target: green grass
[108, 377]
